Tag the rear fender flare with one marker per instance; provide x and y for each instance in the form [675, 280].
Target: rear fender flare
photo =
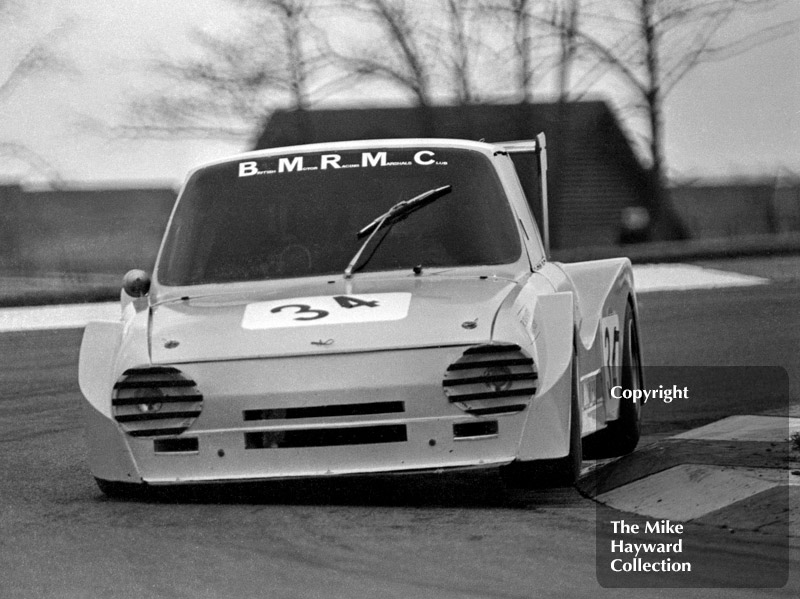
[602, 287]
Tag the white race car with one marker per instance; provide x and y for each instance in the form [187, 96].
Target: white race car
[363, 307]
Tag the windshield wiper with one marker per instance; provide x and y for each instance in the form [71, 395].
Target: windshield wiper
[394, 215]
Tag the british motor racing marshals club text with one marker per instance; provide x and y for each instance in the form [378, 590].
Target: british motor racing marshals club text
[630, 555]
[333, 161]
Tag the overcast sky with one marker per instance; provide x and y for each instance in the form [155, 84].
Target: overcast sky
[734, 118]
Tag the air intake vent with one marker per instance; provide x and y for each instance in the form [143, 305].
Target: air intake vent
[475, 429]
[149, 402]
[485, 374]
[356, 409]
[330, 437]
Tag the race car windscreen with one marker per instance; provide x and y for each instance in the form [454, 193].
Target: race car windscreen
[298, 215]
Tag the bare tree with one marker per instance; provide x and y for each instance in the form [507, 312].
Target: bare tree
[275, 60]
[407, 55]
[520, 12]
[282, 57]
[651, 45]
[530, 25]
[466, 54]
[457, 11]
[39, 56]
[564, 19]
[431, 50]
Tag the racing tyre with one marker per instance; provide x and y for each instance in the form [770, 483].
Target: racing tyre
[621, 436]
[558, 472]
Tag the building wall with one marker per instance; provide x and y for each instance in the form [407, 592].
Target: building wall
[82, 231]
[745, 208]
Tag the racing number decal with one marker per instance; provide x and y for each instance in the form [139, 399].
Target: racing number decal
[353, 302]
[323, 310]
[302, 309]
[609, 329]
[343, 300]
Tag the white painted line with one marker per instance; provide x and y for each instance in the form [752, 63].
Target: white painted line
[65, 316]
[589, 466]
[746, 428]
[666, 277]
[690, 491]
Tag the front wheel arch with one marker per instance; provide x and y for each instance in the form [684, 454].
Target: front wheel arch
[557, 472]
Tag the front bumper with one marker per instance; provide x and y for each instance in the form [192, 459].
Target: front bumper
[314, 416]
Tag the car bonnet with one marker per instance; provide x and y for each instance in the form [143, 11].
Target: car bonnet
[366, 315]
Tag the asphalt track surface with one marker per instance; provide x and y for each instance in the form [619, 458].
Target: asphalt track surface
[447, 536]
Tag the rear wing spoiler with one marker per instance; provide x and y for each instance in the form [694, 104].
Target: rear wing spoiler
[538, 147]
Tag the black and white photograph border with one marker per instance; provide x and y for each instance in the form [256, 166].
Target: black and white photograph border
[672, 140]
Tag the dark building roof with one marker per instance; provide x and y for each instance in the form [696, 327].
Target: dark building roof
[594, 173]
